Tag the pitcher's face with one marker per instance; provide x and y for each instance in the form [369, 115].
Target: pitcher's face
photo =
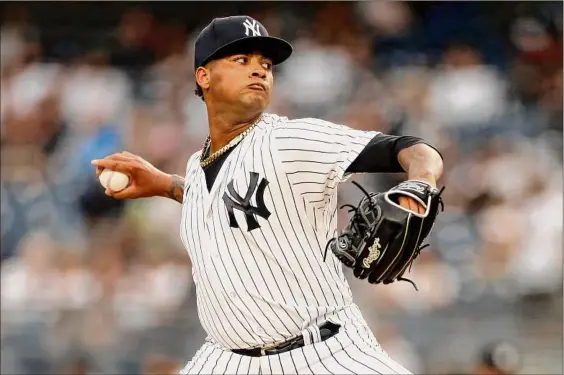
[241, 78]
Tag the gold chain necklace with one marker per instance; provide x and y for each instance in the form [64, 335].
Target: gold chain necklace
[210, 159]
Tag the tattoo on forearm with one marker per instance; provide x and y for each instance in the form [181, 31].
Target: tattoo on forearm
[176, 191]
[421, 161]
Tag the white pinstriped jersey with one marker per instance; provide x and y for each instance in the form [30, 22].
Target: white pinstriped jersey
[257, 239]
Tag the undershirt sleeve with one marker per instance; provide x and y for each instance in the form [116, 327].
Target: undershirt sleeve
[381, 154]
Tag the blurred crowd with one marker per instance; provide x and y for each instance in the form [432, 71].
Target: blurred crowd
[90, 284]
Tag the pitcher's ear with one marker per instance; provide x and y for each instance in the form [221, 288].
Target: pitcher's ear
[203, 77]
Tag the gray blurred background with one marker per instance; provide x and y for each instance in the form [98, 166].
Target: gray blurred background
[94, 285]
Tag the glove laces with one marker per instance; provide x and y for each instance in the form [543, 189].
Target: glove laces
[401, 278]
[355, 220]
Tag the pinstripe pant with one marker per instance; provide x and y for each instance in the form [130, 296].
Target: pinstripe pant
[351, 351]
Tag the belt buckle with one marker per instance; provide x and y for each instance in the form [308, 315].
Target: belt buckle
[266, 348]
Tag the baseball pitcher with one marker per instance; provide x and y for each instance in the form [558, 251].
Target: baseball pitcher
[259, 218]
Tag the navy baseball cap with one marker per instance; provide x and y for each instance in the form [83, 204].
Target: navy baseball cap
[238, 34]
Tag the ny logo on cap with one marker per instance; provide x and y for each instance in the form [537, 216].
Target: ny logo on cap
[251, 26]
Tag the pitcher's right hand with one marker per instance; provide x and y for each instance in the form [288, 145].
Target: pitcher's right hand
[145, 179]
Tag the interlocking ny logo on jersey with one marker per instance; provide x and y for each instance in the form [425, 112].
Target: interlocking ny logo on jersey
[251, 26]
[235, 201]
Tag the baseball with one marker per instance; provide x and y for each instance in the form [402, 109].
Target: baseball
[115, 181]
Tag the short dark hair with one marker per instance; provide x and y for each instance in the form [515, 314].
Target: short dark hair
[199, 92]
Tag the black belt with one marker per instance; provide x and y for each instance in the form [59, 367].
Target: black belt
[326, 330]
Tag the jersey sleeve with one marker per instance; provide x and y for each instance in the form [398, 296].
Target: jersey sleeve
[315, 154]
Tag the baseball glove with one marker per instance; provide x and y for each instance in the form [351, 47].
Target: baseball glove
[383, 238]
